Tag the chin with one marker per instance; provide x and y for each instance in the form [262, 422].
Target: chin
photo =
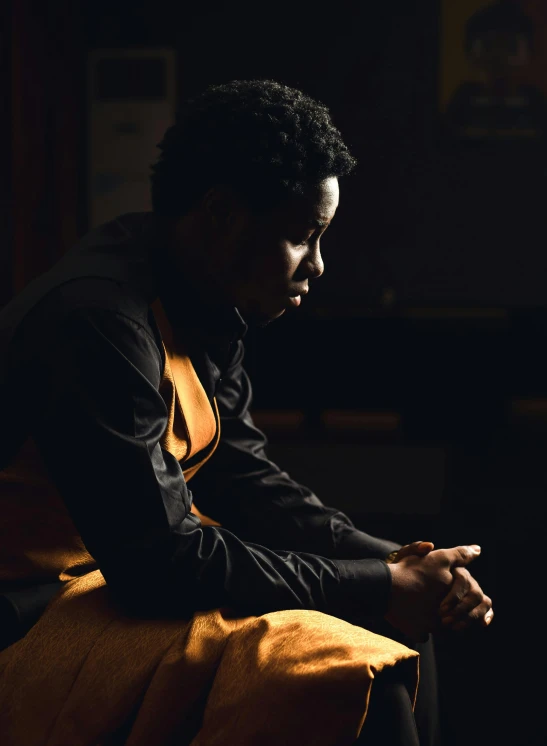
[257, 315]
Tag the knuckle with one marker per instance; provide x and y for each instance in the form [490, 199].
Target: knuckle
[466, 607]
[445, 556]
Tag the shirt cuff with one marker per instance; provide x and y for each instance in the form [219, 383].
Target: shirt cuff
[364, 587]
[357, 544]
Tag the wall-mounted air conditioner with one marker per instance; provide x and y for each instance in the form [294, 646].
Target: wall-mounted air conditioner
[132, 100]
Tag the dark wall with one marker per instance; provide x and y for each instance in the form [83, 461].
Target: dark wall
[6, 196]
[42, 129]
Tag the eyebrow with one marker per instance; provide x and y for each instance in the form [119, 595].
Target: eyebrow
[318, 223]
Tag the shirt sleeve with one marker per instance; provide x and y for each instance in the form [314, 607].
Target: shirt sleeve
[98, 419]
[246, 492]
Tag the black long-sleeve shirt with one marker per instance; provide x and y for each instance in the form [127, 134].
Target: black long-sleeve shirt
[83, 361]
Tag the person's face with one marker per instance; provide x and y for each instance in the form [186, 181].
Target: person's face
[265, 262]
[498, 53]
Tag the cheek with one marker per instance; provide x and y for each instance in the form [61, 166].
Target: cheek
[272, 270]
[282, 265]
[265, 266]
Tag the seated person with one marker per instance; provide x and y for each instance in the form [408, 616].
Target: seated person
[208, 598]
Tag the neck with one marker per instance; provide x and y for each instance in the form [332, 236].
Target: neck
[184, 267]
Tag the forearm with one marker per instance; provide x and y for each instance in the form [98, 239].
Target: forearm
[208, 567]
[258, 502]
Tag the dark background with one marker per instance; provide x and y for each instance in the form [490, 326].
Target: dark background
[410, 388]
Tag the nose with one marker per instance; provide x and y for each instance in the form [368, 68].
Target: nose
[315, 262]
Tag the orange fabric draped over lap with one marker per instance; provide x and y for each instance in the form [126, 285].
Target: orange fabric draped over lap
[85, 672]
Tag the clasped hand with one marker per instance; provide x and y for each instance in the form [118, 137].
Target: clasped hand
[432, 590]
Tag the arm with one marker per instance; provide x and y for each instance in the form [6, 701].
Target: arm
[251, 496]
[98, 421]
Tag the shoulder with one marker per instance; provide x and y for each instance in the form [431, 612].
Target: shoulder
[84, 299]
[90, 318]
[107, 270]
[103, 296]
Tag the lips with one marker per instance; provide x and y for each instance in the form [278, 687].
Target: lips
[295, 299]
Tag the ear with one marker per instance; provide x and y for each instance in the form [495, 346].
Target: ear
[224, 208]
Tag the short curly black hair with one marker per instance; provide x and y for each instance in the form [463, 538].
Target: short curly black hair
[259, 136]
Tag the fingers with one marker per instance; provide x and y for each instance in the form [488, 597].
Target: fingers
[420, 548]
[424, 547]
[467, 604]
[473, 600]
[472, 606]
[482, 615]
[459, 589]
[462, 555]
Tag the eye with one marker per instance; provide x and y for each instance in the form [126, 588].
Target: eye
[304, 241]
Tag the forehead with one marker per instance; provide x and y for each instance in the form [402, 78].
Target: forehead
[316, 207]
[323, 199]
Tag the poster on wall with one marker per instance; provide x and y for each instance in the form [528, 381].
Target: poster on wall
[132, 100]
[494, 69]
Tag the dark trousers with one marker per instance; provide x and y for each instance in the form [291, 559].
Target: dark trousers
[390, 720]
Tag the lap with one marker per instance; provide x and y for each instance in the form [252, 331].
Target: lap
[288, 677]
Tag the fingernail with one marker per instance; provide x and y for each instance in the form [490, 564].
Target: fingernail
[476, 548]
